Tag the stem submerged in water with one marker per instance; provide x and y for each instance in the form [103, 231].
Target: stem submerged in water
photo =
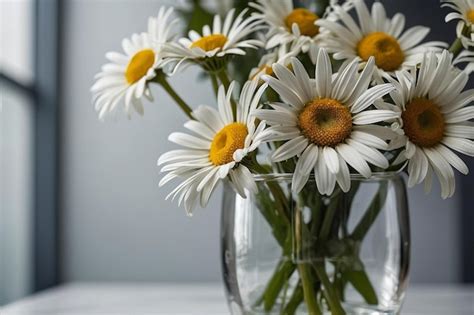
[329, 292]
[313, 244]
[308, 290]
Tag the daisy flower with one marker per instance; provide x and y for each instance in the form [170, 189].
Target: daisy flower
[464, 12]
[286, 23]
[221, 142]
[434, 121]
[223, 39]
[376, 36]
[280, 55]
[127, 75]
[325, 122]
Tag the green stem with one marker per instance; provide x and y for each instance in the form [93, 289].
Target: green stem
[295, 300]
[276, 191]
[222, 75]
[329, 216]
[457, 46]
[285, 295]
[284, 270]
[267, 209]
[161, 79]
[304, 269]
[281, 227]
[329, 293]
[215, 84]
[361, 282]
[308, 290]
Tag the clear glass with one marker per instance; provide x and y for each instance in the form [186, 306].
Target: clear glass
[305, 253]
[16, 194]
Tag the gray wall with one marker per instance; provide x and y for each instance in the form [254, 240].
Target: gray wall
[115, 222]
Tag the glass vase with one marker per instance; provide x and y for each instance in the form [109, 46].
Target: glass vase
[306, 253]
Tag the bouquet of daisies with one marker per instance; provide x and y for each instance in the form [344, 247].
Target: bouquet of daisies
[344, 90]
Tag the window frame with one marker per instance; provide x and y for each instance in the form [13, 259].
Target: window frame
[46, 165]
[43, 93]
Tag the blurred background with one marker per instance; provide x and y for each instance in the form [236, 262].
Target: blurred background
[79, 198]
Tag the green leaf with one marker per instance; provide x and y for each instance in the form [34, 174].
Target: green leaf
[360, 281]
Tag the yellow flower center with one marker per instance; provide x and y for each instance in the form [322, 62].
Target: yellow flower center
[470, 16]
[210, 42]
[266, 69]
[423, 122]
[139, 65]
[228, 140]
[325, 122]
[385, 49]
[305, 20]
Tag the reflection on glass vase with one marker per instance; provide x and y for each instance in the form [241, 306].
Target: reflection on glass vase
[286, 253]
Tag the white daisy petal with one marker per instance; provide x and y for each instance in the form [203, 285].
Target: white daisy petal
[452, 159]
[374, 116]
[428, 182]
[343, 176]
[460, 131]
[291, 148]
[210, 117]
[324, 179]
[368, 138]
[354, 159]
[444, 172]
[463, 146]
[323, 72]
[189, 141]
[331, 159]
[370, 96]
[200, 129]
[365, 19]
[207, 190]
[286, 94]
[417, 168]
[413, 36]
[303, 168]
[274, 117]
[370, 155]
[460, 115]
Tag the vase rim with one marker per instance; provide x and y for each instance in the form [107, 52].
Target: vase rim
[354, 177]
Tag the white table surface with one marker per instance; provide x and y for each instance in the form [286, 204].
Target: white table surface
[205, 299]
